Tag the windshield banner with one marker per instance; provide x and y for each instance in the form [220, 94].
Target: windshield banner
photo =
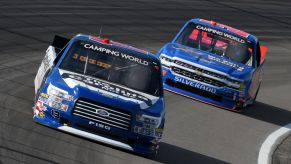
[116, 53]
[220, 33]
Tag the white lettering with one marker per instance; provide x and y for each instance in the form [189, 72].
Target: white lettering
[220, 33]
[194, 84]
[237, 67]
[99, 125]
[116, 53]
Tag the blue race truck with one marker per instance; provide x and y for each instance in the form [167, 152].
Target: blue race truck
[102, 90]
[213, 63]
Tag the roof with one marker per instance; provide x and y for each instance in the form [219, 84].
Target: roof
[111, 43]
[121, 45]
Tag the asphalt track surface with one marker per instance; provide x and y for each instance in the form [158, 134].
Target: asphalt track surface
[194, 132]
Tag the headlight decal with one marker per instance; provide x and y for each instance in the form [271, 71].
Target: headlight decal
[57, 98]
[165, 60]
[55, 91]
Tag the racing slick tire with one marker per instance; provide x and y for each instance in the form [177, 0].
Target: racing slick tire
[254, 100]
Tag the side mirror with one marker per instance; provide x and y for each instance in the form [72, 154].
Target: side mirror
[264, 50]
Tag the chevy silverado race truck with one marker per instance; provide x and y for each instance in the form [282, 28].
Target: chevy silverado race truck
[102, 90]
[214, 63]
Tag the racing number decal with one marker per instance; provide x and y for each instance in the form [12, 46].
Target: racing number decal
[91, 61]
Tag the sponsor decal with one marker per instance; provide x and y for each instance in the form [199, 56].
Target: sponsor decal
[47, 61]
[42, 99]
[144, 131]
[195, 84]
[39, 108]
[46, 64]
[57, 105]
[111, 88]
[54, 101]
[116, 53]
[220, 33]
[41, 114]
[102, 112]
[91, 61]
[64, 107]
[225, 62]
[44, 95]
[99, 125]
[204, 60]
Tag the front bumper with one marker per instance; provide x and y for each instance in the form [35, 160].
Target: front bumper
[127, 140]
[95, 137]
[225, 98]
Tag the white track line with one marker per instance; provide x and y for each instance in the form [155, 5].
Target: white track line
[271, 143]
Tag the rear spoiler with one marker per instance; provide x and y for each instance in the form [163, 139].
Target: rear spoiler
[60, 42]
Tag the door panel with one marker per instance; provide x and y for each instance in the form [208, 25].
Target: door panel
[46, 64]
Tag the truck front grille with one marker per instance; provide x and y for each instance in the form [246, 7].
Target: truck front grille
[103, 115]
[197, 77]
[211, 74]
[192, 67]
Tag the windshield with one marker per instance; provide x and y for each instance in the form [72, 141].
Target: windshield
[217, 42]
[114, 66]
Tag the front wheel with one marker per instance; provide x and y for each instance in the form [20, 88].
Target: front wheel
[254, 99]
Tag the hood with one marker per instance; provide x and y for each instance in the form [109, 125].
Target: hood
[206, 59]
[88, 87]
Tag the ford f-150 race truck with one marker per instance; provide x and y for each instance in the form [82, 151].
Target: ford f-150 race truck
[102, 90]
[213, 63]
